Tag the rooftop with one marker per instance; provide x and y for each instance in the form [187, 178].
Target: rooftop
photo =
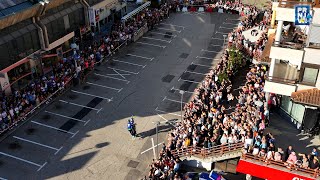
[8, 7]
[309, 97]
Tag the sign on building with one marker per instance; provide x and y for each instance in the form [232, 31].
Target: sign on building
[302, 14]
[92, 17]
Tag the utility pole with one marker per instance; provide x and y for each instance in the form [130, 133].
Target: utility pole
[181, 92]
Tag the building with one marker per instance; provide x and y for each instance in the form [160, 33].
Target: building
[292, 54]
[33, 33]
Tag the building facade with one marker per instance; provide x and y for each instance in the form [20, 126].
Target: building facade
[294, 63]
[34, 32]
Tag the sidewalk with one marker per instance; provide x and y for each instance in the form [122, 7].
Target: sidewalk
[286, 134]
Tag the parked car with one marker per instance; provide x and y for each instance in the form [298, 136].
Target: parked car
[203, 176]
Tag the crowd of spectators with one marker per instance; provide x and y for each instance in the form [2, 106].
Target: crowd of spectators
[206, 122]
[84, 56]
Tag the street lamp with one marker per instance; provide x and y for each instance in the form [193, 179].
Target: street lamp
[224, 39]
[181, 92]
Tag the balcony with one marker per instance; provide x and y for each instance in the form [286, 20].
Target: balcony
[285, 9]
[283, 80]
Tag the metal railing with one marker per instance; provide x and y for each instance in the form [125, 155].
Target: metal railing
[279, 164]
[282, 80]
[208, 152]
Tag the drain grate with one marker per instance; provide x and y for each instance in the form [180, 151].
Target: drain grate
[72, 96]
[30, 131]
[46, 117]
[168, 78]
[184, 55]
[168, 35]
[14, 145]
[86, 87]
[192, 67]
[133, 164]
[185, 86]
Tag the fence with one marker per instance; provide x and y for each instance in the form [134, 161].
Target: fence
[137, 35]
[208, 152]
[279, 164]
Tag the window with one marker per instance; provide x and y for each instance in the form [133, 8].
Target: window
[309, 74]
[297, 112]
[286, 104]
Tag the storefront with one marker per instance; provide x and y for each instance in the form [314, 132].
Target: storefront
[104, 14]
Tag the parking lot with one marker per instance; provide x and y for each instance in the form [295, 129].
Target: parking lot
[83, 135]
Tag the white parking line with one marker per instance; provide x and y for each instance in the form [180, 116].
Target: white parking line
[226, 28]
[186, 80]
[201, 57]
[167, 112]
[39, 144]
[115, 69]
[55, 128]
[151, 148]
[181, 90]
[232, 19]
[216, 45]
[75, 104]
[103, 86]
[156, 39]
[149, 44]
[201, 65]
[172, 25]
[165, 120]
[228, 23]
[164, 34]
[210, 51]
[24, 160]
[142, 57]
[67, 117]
[172, 100]
[169, 30]
[92, 95]
[143, 66]
[217, 39]
[192, 72]
[218, 32]
[105, 76]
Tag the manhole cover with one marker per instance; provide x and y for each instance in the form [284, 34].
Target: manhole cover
[14, 145]
[133, 164]
[57, 106]
[85, 87]
[184, 55]
[72, 96]
[168, 78]
[46, 117]
[30, 131]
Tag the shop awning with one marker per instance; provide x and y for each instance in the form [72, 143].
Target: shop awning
[24, 60]
[136, 11]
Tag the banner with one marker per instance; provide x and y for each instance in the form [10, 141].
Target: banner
[269, 172]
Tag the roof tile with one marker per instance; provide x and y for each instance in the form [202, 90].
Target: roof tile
[309, 96]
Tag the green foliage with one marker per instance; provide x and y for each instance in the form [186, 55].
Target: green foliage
[223, 76]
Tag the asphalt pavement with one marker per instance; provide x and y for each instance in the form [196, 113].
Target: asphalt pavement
[83, 135]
